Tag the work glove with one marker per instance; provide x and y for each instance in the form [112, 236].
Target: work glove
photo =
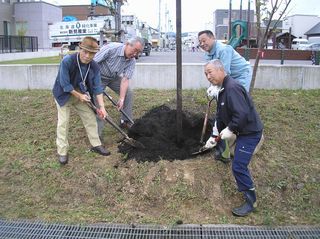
[213, 91]
[226, 133]
[215, 131]
[211, 142]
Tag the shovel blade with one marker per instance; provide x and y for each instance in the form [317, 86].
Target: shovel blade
[201, 150]
[134, 143]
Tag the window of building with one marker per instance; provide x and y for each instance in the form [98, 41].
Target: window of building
[21, 28]
[6, 28]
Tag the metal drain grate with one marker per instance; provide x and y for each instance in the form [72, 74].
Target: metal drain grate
[40, 230]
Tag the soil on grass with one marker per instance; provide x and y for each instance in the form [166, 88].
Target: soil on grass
[157, 131]
[197, 190]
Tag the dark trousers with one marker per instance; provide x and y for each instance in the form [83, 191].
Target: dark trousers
[114, 84]
[245, 146]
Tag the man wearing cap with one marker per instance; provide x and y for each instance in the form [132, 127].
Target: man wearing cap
[77, 83]
[117, 63]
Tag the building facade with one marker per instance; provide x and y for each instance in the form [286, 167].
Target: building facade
[34, 18]
[83, 12]
[7, 26]
[300, 24]
[28, 18]
[221, 22]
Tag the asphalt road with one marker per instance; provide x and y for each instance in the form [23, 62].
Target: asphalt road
[197, 57]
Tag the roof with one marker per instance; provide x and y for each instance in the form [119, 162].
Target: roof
[315, 30]
[282, 34]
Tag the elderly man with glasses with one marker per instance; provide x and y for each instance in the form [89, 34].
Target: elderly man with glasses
[234, 65]
[117, 63]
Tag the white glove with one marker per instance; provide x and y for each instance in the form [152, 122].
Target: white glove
[215, 131]
[211, 142]
[227, 133]
[213, 91]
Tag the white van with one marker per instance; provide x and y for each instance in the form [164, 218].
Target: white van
[299, 43]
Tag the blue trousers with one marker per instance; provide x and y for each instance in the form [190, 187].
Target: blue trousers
[245, 146]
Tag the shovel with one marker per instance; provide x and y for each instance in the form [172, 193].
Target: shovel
[130, 141]
[121, 110]
[204, 149]
[205, 121]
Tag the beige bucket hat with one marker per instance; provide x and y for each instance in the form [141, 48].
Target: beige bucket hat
[89, 44]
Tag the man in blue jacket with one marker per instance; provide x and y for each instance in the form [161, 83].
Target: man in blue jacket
[234, 65]
[236, 116]
[77, 83]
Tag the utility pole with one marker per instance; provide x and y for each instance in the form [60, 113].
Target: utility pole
[117, 17]
[240, 10]
[159, 24]
[230, 11]
[179, 72]
[240, 16]
[248, 25]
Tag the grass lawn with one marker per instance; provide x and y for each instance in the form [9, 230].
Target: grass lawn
[93, 188]
[34, 61]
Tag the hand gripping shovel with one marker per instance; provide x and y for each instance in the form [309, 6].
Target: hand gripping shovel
[121, 110]
[204, 149]
[108, 119]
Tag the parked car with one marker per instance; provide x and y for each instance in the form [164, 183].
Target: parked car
[147, 48]
[313, 47]
[299, 43]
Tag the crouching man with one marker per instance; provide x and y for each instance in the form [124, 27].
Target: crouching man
[236, 117]
[77, 82]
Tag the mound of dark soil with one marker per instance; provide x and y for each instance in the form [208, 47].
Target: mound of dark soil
[157, 131]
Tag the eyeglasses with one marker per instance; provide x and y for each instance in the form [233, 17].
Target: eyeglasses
[136, 50]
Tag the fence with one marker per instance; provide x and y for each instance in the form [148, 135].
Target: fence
[12, 44]
[281, 54]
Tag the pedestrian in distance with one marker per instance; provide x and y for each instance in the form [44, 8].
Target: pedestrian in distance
[235, 66]
[236, 117]
[77, 83]
[117, 64]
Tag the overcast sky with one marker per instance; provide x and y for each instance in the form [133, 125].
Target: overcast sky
[195, 14]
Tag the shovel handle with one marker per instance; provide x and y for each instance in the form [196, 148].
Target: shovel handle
[121, 110]
[108, 119]
[114, 125]
[205, 121]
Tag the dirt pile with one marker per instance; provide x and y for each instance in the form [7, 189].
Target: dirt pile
[157, 130]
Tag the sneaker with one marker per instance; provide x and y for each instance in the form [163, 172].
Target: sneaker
[63, 159]
[125, 124]
[100, 150]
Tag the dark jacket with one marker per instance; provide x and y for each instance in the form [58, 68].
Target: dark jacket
[236, 110]
[69, 77]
